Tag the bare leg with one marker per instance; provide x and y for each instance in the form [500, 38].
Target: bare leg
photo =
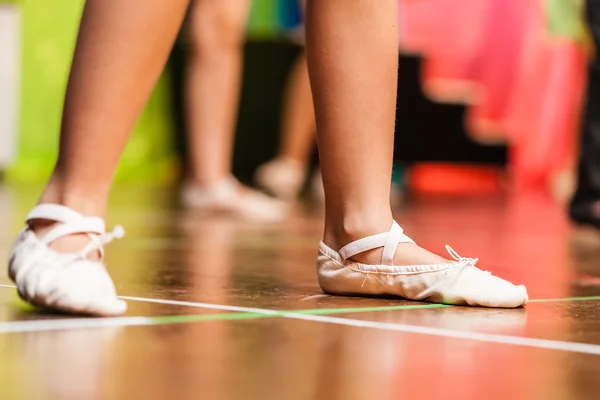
[121, 50]
[212, 95]
[352, 57]
[213, 85]
[285, 175]
[299, 117]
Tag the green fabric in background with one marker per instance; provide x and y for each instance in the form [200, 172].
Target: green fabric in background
[564, 19]
[48, 38]
[262, 22]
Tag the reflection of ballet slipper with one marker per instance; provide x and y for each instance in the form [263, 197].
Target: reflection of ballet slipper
[458, 282]
[230, 198]
[282, 177]
[67, 282]
[189, 225]
[460, 318]
[82, 355]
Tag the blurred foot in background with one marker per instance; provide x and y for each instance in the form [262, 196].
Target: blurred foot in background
[228, 197]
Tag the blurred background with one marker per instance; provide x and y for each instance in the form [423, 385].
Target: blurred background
[499, 104]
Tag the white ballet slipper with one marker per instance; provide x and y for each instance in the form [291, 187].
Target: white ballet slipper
[459, 282]
[66, 282]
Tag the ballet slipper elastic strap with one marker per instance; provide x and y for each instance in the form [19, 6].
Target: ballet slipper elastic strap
[71, 222]
[388, 240]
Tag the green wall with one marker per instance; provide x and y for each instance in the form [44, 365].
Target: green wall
[49, 28]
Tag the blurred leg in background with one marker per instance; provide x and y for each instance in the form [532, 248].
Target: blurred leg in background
[585, 205]
[285, 175]
[213, 84]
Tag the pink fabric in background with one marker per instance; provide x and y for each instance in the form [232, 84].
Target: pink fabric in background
[522, 86]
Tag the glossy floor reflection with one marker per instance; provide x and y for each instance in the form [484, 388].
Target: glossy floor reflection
[213, 333]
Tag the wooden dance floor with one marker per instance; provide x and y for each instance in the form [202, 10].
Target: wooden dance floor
[226, 309]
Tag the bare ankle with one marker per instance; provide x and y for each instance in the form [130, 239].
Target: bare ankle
[341, 231]
[88, 204]
[89, 199]
[82, 204]
[67, 244]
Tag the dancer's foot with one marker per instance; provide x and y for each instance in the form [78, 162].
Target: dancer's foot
[74, 281]
[392, 264]
[282, 178]
[230, 197]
